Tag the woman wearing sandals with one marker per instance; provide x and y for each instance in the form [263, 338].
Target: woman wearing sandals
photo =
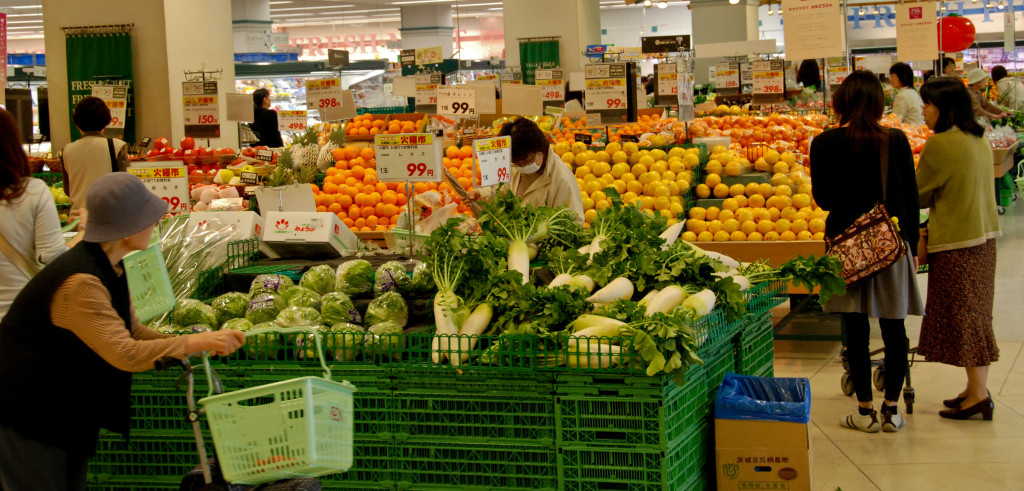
[848, 180]
[955, 181]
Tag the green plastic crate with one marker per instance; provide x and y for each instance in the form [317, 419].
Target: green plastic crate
[242, 253]
[444, 465]
[210, 284]
[1005, 197]
[50, 178]
[718, 360]
[765, 297]
[692, 456]
[148, 454]
[756, 348]
[373, 467]
[133, 483]
[636, 468]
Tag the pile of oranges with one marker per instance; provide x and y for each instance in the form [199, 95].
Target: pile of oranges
[780, 132]
[645, 124]
[396, 126]
[567, 135]
[459, 162]
[352, 192]
[364, 125]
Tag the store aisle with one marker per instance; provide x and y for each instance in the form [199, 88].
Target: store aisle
[931, 452]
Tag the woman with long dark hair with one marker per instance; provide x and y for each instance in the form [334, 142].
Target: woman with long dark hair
[29, 226]
[954, 177]
[847, 164]
[809, 75]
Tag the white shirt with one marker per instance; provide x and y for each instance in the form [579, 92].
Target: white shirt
[85, 161]
[30, 225]
[908, 107]
[1011, 93]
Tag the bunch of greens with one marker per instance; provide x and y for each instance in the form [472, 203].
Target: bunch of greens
[666, 342]
[809, 272]
[624, 242]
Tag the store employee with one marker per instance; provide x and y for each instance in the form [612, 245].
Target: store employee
[265, 120]
[539, 177]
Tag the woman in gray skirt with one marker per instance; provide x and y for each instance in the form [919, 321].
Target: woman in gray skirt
[846, 172]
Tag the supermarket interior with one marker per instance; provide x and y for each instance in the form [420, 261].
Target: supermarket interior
[511, 245]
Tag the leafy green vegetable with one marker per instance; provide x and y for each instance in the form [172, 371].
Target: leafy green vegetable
[270, 283]
[631, 241]
[564, 260]
[809, 272]
[264, 307]
[354, 277]
[384, 340]
[188, 312]
[730, 298]
[531, 310]
[391, 276]
[298, 317]
[344, 340]
[263, 346]
[238, 325]
[421, 280]
[389, 307]
[319, 278]
[338, 308]
[230, 306]
[300, 296]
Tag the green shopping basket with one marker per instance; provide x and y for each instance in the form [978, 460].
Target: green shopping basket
[284, 430]
[148, 282]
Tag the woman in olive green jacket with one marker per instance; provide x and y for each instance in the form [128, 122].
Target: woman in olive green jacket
[954, 180]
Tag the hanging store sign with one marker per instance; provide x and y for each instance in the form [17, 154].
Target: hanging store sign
[664, 44]
[916, 36]
[769, 78]
[116, 99]
[606, 86]
[325, 95]
[668, 79]
[424, 56]
[552, 82]
[202, 109]
[813, 29]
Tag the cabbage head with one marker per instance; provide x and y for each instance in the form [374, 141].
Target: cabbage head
[383, 340]
[270, 283]
[298, 317]
[354, 277]
[230, 306]
[188, 312]
[305, 345]
[338, 307]
[263, 346]
[319, 278]
[197, 328]
[344, 340]
[299, 296]
[264, 307]
[238, 325]
[387, 307]
[421, 279]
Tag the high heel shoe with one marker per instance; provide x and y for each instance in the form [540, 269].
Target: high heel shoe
[956, 401]
[985, 408]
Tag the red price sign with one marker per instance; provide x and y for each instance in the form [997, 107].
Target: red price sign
[297, 126]
[207, 119]
[332, 102]
[432, 100]
[614, 103]
[503, 174]
[552, 94]
[417, 170]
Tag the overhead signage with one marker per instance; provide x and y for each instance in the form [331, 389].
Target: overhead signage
[605, 86]
[769, 78]
[337, 57]
[813, 29]
[408, 57]
[916, 36]
[201, 109]
[665, 44]
[408, 157]
[425, 56]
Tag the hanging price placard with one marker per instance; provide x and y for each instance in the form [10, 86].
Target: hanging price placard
[769, 78]
[727, 75]
[456, 100]
[202, 110]
[410, 157]
[553, 83]
[325, 95]
[426, 88]
[837, 74]
[495, 158]
[668, 79]
[116, 99]
[169, 182]
[292, 120]
[605, 86]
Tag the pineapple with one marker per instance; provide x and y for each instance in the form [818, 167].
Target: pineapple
[306, 149]
[283, 173]
[336, 139]
[305, 175]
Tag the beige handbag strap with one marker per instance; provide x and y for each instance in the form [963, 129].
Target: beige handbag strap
[16, 258]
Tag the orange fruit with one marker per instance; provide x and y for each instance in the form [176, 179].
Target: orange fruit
[371, 221]
[389, 197]
[344, 200]
[384, 221]
[352, 181]
[422, 187]
[330, 188]
[359, 223]
[327, 199]
[465, 152]
[355, 210]
[390, 210]
[321, 208]
[348, 222]
[334, 208]
[380, 188]
[331, 171]
[378, 209]
[367, 212]
[401, 199]
[367, 153]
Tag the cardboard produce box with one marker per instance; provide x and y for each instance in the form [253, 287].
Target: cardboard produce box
[308, 235]
[762, 434]
[247, 224]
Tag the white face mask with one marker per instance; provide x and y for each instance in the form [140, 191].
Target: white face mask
[529, 169]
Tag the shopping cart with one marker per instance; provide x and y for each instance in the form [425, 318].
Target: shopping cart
[284, 433]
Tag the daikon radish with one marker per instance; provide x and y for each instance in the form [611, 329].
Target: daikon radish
[617, 289]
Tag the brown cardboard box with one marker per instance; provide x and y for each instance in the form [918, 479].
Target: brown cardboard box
[762, 455]
[383, 118]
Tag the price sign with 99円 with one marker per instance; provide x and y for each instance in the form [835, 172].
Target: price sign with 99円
[325, 95]
[456, 100]
[408, 157]
[169, 182]
[495, 157]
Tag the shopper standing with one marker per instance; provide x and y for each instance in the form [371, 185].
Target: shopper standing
[93, 155]
[1011, 91]
[265, 120]
[984, 110]
[29, 229]
[955, 181]
[847, 176]
[949, 67]
[907, 103]
[809, 75]
[76, 317]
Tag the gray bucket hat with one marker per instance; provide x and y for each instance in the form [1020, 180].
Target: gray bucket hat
[119, 206]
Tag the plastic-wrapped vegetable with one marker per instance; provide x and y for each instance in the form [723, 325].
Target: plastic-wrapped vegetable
[300, 296]
[344, 340]
[319, 278]
[388, 307]
[263, 346]
[230, 306]
[298, 317]
[188, 312]
[197, 328]
[354, 277]
[391, 276]
[421, 279]
[270, 283]
[383, 340]
[305, 345]
[336, 308]
[264, 307]
[238, 325]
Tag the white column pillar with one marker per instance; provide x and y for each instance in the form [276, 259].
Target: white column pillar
[718, 21]
[426, 26]
[250, 24]
[578, 22]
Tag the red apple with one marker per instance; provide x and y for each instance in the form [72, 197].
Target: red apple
[153, 153]
[161, 143]
[166, 151]
[204, 152]
[187, 143]
[191, 157]
[249, 152]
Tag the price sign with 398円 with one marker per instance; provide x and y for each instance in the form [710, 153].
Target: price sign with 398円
[169, 182]
[325, 95]
[202, 110]
[769, 78]
[495, 157]
[408, 157]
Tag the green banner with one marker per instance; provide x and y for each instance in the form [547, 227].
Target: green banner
[537, 54]
[100, 57]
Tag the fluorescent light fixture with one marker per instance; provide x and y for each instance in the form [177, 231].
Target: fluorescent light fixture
[495, 8]
[647, 3]
[24, 22]
[312, 8]
[287, 15]
[414, 2]
[479, 4]
[734, 2]
[26, 7]
[662, 4]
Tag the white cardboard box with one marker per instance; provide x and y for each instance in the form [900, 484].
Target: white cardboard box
[247, 224]
[302, 234]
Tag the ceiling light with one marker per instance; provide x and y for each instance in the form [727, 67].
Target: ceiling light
[771, 11]
[875, 11]
[942, 8]
[421, 1]
[1002, 4]
[647, 3]
[989, 4]
[664, 3]
[734, 2]
[311, 8]
[862, 12]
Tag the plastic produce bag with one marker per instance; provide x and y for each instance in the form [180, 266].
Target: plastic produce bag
[388, 307]
[337, 308]
[298, 317]
[270, 283]
[188, 312]
[319, 278]
[391, 276]
[384, 340]
[421, 279]
[264, 308]
[354, 277]
[764, 399]
[299, 296]
[230, 306]
[344, 340]
[238, 325]
[263, 346]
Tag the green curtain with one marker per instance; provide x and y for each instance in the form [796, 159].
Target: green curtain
[100, 58]
[537, 54]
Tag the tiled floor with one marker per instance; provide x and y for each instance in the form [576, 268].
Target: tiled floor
[930, 452]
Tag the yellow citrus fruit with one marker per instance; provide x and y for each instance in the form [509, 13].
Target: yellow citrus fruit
[755, 237]
[612, 147]
[668, 176]
[771, 157]
[741, 200]
[647, 177]
[721, 236]
[774, 214]
[718, 148]
[598, 196]
[721, 191]
[639, 169]
[713, 180]
[730, 225]
[619, 169]
[659, 166]
[676, 209]
[634, 187]
[788, 158]
[589, 215]
[789, 213]
[673, 189]
[602, 156]
[629, 197]
[726, 215]
[733, 169]
[603, 205]
[805, 235]
[619, 157]
[589, 177]
[748, 227]
[689, 236]
[801, 200]
[756, 201]
[630, 148]
[780, 168]
[592, 186]
[711, 213]
[730, 204]
[578, 147]
[750, 189]
[761, 165]
[697, 226]
[705, 236]
[569, 158]
[608, 179]
[745, 215]
[800, 225]
[661, 190]
[676, 165]
[601, 168]
[714, 226]
[765, 226]
[713, 167]
[787, 235]
[784, 191]
[766, 190]
[818, 236]
[771, 236]
[628, 177]
[697, 213]
[647, 202]
[690, 161]
[783, 225]
[662, 203]
[561, 148]
[736, 190]
[588, 203]
[761, 214]
[816, 225]
[684, 185]
[703, 191]
[737, 236]
[646, 160]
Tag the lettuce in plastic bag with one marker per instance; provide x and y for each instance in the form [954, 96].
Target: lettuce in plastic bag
[354, 277]
[337, 307]
[230, 306]
[270, 283]
[197, 328]
[238, 325]
[319, 278]
[300, 296]
[421, 279]
[344, 340]
[298, 317]
[388, 307]
[263, 346]
[188, 312]
[383, 340]
[305, 345]
[264, 307]
[391, 276]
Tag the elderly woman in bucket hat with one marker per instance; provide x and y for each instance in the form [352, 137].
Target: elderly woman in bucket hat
[71, 340]
[984, 110]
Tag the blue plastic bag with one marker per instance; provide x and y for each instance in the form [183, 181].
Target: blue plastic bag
[763, 399]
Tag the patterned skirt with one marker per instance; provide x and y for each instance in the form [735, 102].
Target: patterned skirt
[957, 325]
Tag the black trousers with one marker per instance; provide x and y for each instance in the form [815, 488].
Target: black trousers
[894, 336]
[27, 465]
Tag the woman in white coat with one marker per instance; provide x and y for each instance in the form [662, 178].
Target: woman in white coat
[907, 105]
